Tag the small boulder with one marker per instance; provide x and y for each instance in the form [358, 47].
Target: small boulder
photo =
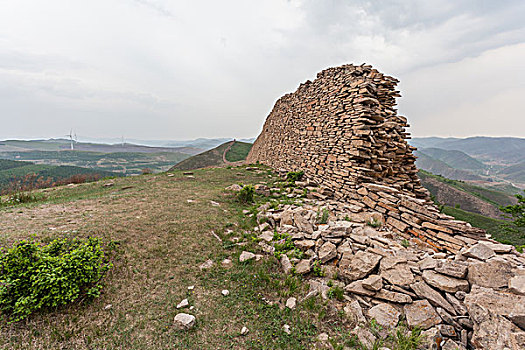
[291, 303]
[385, 315]
[184, 321]
[184, 303]
[327, 252]
[206, 265]
[479, 251]
[286, 264]
[373, 282]
[245, 256]
[244, 331]
[517, 284]
[421, 314]
[445, 283]
[303, 267]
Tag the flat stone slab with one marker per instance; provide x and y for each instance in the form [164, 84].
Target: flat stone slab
[479, 251]
[445, 283]
[421, 314]
[361, 265]
[491, 274]
[385, 315]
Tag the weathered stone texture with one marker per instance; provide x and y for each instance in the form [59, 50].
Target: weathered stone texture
[343, 131]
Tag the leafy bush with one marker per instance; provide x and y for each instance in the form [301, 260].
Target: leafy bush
[336, 292]
[516, 212]
[293, 176]
[246, 193]
[35, 276]
[322, 216]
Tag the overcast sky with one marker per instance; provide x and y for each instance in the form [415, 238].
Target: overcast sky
[161, 69]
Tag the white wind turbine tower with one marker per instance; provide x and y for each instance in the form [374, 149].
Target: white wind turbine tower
[71, 138]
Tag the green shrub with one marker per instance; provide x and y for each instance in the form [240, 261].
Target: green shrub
[374, 223]
[35, 276]
[20, 198]
[322, 217]
[336, 292]
[246, 193]
[293, 176]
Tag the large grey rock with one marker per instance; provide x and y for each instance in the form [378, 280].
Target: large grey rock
[302, 223]
[385, 315]
[394, 297]
[421, 314]
[450, 268]
[327, 252]
[424, 291]
[489, 310]
[184, 321]
[305, 244]
[517, 284]
[400, 275]
[495, 273]
[373, 283]
[428, 263]
[304, 266]
[479, 251]
[286, 264]
[354, 311]
[356, 287]
[360, 265]
[245, 256]
[445, 283]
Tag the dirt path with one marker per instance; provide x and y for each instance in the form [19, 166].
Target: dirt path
[226, 151]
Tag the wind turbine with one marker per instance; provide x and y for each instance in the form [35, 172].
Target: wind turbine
[71, 138]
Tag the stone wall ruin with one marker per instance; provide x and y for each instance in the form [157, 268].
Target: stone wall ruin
[343, 131]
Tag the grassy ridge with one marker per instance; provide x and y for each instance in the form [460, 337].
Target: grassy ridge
[492, 226]
[239, 151]
[213, 157]
[493, 197]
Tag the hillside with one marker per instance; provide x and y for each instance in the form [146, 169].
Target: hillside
[214, 157]
[126, 163]
[514, 173]
[10, 170]
[161, 228]
[455, 159]
[439, 167]
[468, 197]
[495, 150]
[63, 144]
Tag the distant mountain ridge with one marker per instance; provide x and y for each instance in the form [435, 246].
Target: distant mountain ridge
[484, 159]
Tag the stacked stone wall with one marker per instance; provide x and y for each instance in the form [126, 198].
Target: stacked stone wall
[343, 131]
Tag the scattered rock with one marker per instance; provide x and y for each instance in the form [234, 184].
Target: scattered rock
[108, 307]
[303, 224]
[191, 287]
[400, 275]
[373, 282]
[286, 329]
[234, 188]
[245, 256]
[206, 265]
[491, 274]
[184, 321]
[327, 252]
[244, 331]
[286, 264]
[227, 263]
[360, 266]
[184, 303]
[517, 284]
[453, 269]
[303, 267]
[225, 292]
[354, 311]
[421, 314]
[445, 283]
[479, 251]
[322, 337]
[291, 303]
[385, 315]
[424, 291]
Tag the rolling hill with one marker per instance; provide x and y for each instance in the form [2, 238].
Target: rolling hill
[214, 157]
[11, 170]
[493, 150]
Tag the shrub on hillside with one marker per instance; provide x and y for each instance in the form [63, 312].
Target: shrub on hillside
[34, 276]
[293, 176]
[246, 193]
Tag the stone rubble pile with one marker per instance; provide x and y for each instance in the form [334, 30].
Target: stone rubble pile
[343, 131]
[474, 298]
